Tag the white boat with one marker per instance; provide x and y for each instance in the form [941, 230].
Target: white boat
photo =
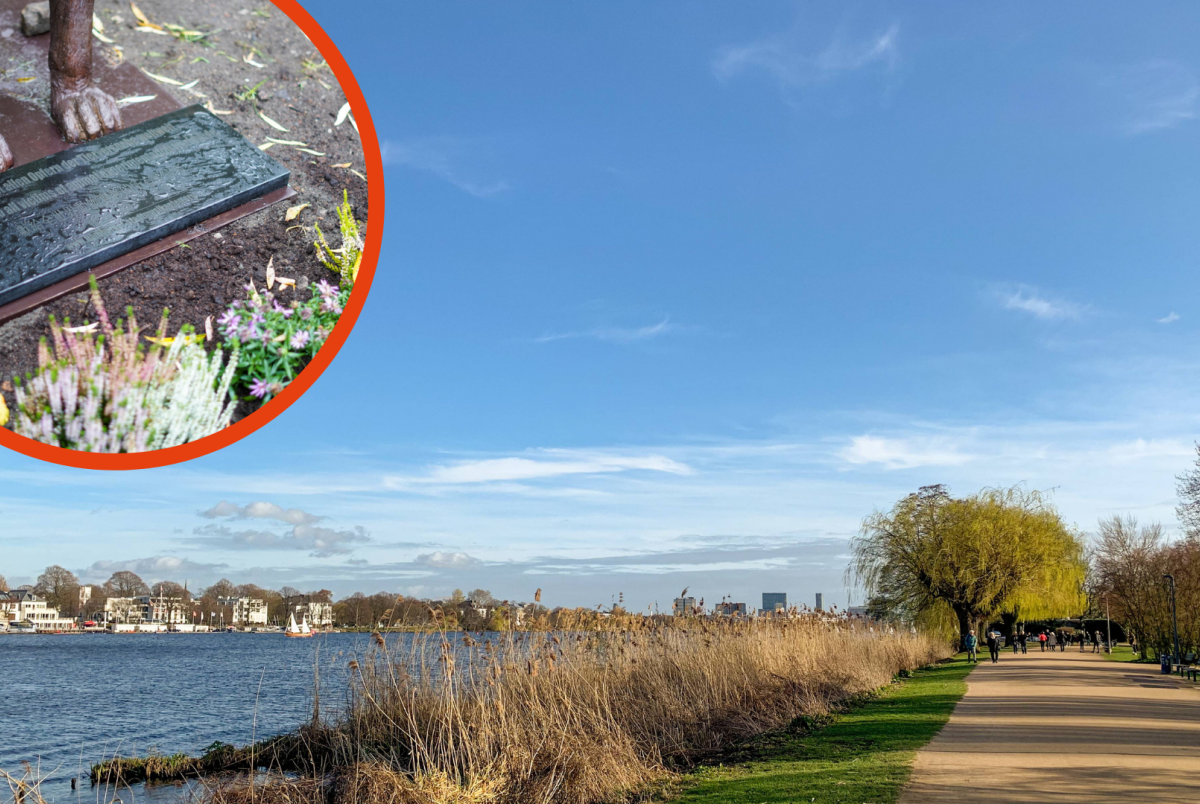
[301, 630]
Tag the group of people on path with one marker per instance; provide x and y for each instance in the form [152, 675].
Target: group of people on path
[1020, 642]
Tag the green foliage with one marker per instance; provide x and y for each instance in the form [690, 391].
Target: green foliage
[101, 390]
[865, 754]
[934, 556]
[343, 261]
[275, 341]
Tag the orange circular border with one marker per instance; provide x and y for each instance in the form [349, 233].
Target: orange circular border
[362, 286]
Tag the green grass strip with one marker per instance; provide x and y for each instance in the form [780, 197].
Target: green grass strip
[865, 755]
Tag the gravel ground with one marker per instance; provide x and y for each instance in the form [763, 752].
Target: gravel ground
[300, 93]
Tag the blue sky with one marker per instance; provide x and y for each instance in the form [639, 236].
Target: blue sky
[674, 294]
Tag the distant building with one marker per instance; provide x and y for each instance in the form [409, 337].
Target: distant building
[146, 609]
[319, 615]
[248, 612]
[773, 602]
[820, 602]
[857, 611]
[731, 609]
[24, 606]
[683, 606]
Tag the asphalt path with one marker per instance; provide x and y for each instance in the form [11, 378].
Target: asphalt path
[1064, 726]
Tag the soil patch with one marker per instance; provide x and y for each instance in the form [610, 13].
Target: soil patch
[201, 278]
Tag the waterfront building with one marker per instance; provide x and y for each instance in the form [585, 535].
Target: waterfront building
[246, 612]
[684, 606]
[820, 602]
[773, 602]
[320, 615]
[145, 609]
[24, 606]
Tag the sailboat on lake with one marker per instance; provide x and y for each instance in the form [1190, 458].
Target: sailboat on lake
[301, 630]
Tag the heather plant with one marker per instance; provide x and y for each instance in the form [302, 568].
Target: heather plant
[343, 261]
[105, 392]
[276, 341]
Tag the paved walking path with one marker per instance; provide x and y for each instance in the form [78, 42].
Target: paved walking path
[1059, 727]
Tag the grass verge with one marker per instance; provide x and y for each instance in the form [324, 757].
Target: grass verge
[1124, 653]
[864, 755]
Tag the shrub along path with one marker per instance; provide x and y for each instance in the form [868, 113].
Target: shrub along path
[865, 755]
[1059, 727]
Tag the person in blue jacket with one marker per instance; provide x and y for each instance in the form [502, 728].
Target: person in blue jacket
[972, 645]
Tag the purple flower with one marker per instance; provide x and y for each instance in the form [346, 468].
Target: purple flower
[325, 289]
[259, 388]
[257, 318]
[285, 312]
[305, 313]
[230, 317]
[331, 305]
[300, 339]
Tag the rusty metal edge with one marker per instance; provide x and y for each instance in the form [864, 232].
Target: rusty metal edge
[80, 281]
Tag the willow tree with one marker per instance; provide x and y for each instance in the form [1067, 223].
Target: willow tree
[974, 557]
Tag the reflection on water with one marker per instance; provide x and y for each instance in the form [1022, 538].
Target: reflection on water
[67, 702]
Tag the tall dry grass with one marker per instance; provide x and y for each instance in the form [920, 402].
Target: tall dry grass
[575, 718]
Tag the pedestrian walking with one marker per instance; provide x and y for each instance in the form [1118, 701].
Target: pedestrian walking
[1024, 642]
[1096, 642]
[1052, 641]
[1062, 643]
[994, 645]
[1015, 639]
[1042, 639]
[971, 643]
[1082, 636]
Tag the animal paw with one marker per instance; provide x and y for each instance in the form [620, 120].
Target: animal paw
[85, 114]
[6, 157]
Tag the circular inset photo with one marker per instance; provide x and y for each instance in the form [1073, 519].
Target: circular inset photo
[191, 210]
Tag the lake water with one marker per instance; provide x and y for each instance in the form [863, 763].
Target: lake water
[69, 701]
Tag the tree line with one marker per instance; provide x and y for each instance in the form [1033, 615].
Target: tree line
[1131, 566]
[477, 610]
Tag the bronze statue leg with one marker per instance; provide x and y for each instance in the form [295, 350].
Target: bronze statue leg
[81, 110]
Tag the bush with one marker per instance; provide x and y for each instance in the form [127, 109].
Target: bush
[107, 393]
[275, 341]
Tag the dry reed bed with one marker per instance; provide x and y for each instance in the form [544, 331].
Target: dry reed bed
[575, 718]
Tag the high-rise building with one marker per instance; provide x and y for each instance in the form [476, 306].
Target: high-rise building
[820, 602]
[684, 606]
[774, 601]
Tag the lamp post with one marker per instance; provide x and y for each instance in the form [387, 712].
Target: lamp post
[1174, 622]
[1107, 626]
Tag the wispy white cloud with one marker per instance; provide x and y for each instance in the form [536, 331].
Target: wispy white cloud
[154, 568]
[902, 453]
[260, 510]
[554, 464]
[1030, 300]
[785, 60]
[443, 157]
[623, 335]
[1153, 95]
[1169, 318]
[447, 560]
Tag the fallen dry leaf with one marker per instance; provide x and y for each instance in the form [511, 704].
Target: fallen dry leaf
[344, 165]
[208, 335]
[284, 281]
[271, 122]
[214, 110]
[294, 212]
[342, 113]
[271, 272]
